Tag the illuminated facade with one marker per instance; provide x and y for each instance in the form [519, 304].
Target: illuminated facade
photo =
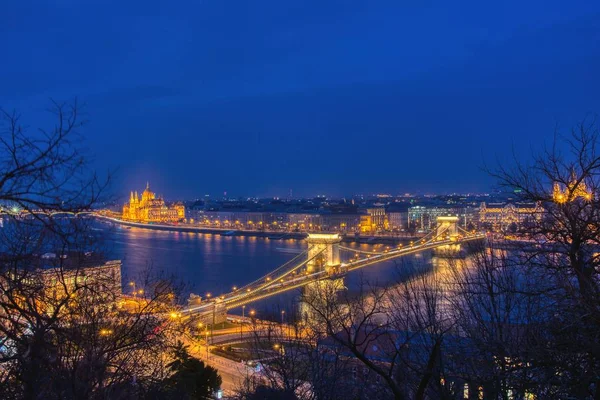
[150, 208]
[58, 278]
[501, 216]
[378, 218]
[574, 190]
[101, 283]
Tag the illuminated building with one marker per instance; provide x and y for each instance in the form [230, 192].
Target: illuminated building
[366, 224]
[100, 281]
[501, 216]
[397, 220]
[424, 218]
[340, 222]
[150, 208]
[397, 216]
[304, 221]
[73, 277]
[180, 208]
[572, 191]
[378, 218]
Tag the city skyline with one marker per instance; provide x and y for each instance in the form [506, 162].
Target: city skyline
[124, 195]
[320, 199]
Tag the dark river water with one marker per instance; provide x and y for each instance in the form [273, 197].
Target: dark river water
[212, 263]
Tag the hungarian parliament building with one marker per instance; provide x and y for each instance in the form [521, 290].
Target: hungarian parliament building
[150, 208]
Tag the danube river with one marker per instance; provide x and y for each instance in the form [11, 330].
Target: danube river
[211, 263]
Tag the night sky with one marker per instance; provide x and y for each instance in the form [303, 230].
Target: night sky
[335, 97]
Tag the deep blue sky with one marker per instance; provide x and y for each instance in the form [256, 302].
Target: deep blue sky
[338, 97]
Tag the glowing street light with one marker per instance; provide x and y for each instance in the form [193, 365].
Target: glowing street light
[242, 322]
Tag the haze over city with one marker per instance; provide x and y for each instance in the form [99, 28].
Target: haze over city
[257, 98]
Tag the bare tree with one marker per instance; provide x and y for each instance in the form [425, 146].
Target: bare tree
[499, 309]
[395, 335]
[65, 330]
[572, 218]
[565, 178]
[47, 170]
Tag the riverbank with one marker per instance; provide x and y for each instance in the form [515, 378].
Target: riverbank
[273, 235]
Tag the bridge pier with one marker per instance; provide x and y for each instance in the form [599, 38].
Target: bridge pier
[323, 255]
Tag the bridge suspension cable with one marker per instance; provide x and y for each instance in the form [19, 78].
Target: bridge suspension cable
[434, 234]
[359, 251]
[462, 230]
[277, 270]
[422, 240]
[236, 296]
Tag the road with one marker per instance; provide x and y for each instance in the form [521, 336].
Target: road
[232, 373]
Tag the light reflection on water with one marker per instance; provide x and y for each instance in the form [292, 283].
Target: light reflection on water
[214, 263]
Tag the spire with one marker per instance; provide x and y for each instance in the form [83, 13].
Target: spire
[147, 185]
[131, 197]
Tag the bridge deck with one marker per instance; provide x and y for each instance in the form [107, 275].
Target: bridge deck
[284, 282]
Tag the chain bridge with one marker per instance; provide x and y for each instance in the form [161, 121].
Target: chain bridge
[323, 260]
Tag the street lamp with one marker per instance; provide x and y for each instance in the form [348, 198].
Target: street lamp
[242, 323]
[252, 314]
[282, 315]
[206, 341]
[132, 284]
[105, 332]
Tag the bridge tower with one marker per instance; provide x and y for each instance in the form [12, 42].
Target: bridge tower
[323, 255]
[447, 228]
[323, 252]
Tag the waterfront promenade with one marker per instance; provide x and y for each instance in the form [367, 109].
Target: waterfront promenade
[271, 234]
